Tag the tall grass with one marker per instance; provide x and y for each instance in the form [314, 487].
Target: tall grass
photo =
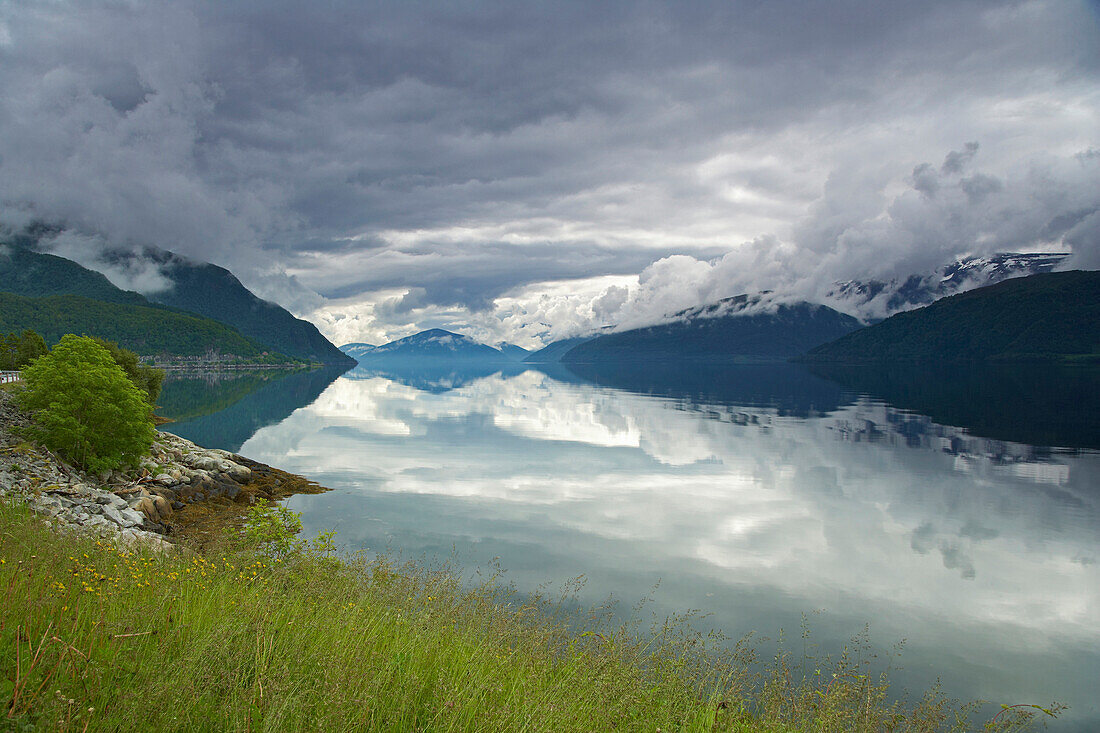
[93, 637]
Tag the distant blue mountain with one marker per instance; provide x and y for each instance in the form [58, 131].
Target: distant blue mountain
[513, 352]
[433, 345]
[552, 353]
[357, 350]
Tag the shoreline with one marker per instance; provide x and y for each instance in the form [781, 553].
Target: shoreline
[179, 493]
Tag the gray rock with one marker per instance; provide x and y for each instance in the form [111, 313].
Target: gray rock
[96, 522]
[114, 515]
[50, 505]
[205, 463]
[239, 473]
[164, 478]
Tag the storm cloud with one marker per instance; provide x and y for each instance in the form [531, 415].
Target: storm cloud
[528, 170]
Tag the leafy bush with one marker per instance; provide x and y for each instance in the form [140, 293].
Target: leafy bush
[85, 407]
[273, 531]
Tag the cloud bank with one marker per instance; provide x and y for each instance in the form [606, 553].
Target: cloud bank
[526, 171]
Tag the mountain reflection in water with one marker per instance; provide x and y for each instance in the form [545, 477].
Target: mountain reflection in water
[224, 409]
[755, 493]
[1038, 404]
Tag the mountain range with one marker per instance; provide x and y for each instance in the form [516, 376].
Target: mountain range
[1025, 311]
[554, 351]
[357, 349]
[742, 328]
[1042, 316]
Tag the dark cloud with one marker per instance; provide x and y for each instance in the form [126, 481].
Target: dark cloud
[956, 160]
[463, 150]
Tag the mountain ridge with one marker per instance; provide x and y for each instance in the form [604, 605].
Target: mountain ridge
[215, 292]
[144, 329]
[1048, 316]
[199, 289]
[920, 289]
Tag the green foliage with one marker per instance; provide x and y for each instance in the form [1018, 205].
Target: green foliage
[146, 330]
[85, 407]
[17, 351]
[31, 346]
[146, 378]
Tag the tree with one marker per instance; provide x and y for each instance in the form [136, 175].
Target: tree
[9, 351]
[31, 346]
[85, 407]
[146, 378]
[17, 352]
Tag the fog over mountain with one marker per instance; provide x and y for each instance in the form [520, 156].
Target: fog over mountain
[523, 172]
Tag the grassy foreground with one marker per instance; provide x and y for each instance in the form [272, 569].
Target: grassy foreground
[93, 637]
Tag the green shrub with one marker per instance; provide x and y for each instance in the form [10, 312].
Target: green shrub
[85, 407]
[272, 531]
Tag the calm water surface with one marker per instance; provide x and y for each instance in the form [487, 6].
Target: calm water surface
[755, 493]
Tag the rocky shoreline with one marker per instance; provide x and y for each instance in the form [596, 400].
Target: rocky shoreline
[179, 490]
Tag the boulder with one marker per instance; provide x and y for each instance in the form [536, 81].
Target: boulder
[133, 517]
[163, 507]
[239, 473]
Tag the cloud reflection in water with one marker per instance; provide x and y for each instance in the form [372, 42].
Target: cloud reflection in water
[982, 553]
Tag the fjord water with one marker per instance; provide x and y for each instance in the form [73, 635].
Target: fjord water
[914, 502]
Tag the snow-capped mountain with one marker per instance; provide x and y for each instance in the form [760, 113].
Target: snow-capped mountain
[876, 299]
[434, 344]
[744, 327]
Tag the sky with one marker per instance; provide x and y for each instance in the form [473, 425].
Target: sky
[525, 171]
